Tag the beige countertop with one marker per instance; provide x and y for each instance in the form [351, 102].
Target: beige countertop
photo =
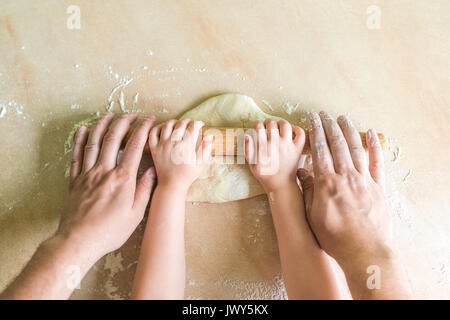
[317, 54]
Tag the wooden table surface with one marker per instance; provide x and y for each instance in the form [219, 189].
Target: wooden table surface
[322, 55]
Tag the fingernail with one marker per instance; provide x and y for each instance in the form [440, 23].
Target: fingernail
[314, 120]
[209, 138]
[369, 134]
[372, 137]
[375, 137]
[325, 116]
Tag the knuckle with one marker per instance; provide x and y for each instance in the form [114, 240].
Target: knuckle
[198, 123]
[355, 148]
[90, 146]
[133, 144]
[101, 122]
[377, 164]
[74, 162]
[110, 137]
[122, 174]
[336, 139]
[154, 130]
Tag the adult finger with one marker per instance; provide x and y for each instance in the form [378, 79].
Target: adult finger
[81, 138]
[144, 190]
[321, 155]
[113, 139]
[307, 183]
[376, 161]
[153, 138]
[132, 154]
[92, 147]
[354, 144]
[337, 144]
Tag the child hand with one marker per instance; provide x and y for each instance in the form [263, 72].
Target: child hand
[173, 148]
[105, 204]
[273, 153]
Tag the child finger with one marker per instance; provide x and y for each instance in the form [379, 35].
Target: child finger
[166, 130]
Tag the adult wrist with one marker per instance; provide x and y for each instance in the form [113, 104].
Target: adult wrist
[82, 251]
[356, 263]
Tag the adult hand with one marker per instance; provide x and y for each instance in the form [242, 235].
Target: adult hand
[105, 203]
[347, 208]
[345, 201]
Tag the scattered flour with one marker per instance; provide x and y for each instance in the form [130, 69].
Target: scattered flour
[267, 104]
[112, 291]
[75, 106]
[122, 101]
[407, 175]
[122, 84]
[397, 154]
[113, 263]
[13, 106]
[269, 290]
[2, 111]
[288, 108]
[136, 98]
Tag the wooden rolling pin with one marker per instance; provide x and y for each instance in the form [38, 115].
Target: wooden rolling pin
[230, 141]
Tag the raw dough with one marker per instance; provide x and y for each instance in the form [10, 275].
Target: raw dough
[224, 181]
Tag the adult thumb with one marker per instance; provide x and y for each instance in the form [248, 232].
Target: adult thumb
[307, 183]
[144, 190]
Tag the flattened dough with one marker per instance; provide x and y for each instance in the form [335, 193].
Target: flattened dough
[224, 181]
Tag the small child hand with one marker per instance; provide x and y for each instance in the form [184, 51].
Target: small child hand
[273, 153]
[173, 148]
